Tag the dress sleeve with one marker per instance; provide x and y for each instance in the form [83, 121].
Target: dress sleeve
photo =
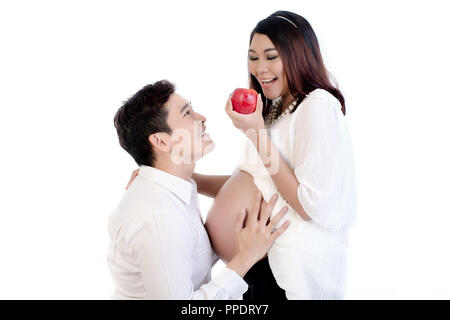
[162, 249]
[323, 161]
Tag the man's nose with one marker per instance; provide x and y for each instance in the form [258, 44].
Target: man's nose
[200, 117]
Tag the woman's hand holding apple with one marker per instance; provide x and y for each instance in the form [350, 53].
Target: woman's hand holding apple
[245, 122]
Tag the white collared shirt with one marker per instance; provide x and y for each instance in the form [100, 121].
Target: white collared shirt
[159, 247]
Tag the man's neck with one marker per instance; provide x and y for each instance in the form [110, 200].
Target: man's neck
[183, 171]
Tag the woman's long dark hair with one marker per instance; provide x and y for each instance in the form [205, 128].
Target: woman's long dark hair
[300, 53]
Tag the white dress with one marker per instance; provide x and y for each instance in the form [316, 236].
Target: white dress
[309, 260]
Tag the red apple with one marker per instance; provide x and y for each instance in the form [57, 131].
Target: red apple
[244, 100]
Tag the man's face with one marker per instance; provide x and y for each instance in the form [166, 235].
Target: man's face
[189, 139]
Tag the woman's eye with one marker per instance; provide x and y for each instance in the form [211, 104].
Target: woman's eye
[188, 113]
[252, 58]
[272, 57]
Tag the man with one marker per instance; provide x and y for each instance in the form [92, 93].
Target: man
[159, 247]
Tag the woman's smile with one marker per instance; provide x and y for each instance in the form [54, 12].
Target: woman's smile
[267, 83]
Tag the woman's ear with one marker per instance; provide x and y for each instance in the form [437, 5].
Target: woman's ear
[160, 141]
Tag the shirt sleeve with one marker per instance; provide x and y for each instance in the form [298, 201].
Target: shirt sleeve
[162, 249]
[323, 161]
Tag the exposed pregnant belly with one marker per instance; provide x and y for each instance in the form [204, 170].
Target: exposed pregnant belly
[237, 193]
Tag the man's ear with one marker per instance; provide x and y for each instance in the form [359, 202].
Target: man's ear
[160, 141]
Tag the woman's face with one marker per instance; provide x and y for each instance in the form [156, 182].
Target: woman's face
[264, 63]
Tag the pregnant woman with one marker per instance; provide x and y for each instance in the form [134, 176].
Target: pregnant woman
[300, 124]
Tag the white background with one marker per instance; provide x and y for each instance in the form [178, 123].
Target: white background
[66, 67]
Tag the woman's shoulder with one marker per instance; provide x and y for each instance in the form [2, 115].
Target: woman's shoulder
[320, 94]
[319, 99]
[317, 106]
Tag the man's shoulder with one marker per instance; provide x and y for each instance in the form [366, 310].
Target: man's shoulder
[146, 196]
[140, 203]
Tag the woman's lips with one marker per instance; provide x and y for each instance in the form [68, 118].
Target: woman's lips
[267, 83]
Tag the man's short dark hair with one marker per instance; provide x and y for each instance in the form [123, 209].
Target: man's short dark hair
[140, 116]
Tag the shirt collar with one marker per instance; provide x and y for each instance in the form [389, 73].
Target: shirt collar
[181, 188]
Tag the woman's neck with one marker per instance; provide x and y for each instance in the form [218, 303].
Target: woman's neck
[286, 101]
